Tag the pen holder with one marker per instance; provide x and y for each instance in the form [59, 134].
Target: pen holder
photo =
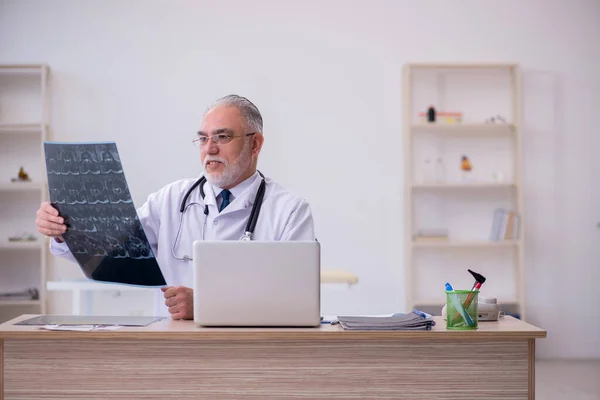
[461, 309]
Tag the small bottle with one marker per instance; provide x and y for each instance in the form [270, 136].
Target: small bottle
[428, 171]
[466, 167]
[431, 114]
[440, 170]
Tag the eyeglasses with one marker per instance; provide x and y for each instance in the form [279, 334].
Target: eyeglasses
[219, 138]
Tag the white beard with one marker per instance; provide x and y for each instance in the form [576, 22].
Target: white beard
[231, 172]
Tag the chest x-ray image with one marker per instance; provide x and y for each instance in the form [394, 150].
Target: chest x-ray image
[88, 187]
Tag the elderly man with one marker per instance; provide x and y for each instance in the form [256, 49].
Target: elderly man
[215, 206]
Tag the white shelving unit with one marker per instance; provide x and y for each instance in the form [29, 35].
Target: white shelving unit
[24, 126]
[462, 203]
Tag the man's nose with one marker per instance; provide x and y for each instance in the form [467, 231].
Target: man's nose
[211, 147]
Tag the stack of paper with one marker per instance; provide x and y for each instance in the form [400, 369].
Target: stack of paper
[415, 320]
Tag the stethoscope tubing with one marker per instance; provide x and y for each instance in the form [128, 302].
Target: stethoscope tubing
[250, 225]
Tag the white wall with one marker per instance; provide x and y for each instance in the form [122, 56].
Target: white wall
[327, 78]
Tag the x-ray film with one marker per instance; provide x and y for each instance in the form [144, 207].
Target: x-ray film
[88, 187]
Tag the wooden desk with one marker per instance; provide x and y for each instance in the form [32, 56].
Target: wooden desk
[177, 360]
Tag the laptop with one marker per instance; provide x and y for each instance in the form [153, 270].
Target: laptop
[253, 283]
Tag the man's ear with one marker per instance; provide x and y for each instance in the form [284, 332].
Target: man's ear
[257, 143]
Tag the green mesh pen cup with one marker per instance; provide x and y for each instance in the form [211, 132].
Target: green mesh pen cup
[461, 309]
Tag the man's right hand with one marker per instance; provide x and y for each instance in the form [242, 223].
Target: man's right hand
[49, 223]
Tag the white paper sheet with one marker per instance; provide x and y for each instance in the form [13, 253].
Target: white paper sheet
[80, 328]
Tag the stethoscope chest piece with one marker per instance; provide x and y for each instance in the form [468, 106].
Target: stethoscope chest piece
[246, 237]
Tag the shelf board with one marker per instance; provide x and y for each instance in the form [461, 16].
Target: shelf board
[27, 245]
[466, 244]
[21, 128]
[481, 130]
[22, 66]
[459, 66]
[21, 186]
[19, 303]
[463, 185]
[38, 71]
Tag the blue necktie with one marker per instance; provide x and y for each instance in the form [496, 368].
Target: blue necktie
[224, 199]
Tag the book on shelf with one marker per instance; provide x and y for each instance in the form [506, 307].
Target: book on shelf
[505, 225]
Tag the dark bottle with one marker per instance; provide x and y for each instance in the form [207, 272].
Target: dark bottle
[431, 114]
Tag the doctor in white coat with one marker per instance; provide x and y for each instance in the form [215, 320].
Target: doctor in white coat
[230, 140]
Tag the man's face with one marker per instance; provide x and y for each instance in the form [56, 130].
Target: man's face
[224, 164]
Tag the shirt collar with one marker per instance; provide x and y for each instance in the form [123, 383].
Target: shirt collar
[212, 191]
[236, 191]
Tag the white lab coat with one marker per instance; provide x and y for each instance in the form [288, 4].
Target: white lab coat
[283, 216]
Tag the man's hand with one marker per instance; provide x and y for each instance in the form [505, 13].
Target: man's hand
[49, 222]
[180, 301]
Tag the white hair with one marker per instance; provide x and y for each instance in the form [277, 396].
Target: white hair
[252, 119]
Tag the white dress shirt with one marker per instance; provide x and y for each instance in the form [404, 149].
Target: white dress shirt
[283, 216]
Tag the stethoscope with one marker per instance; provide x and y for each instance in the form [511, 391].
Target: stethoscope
[248, 232]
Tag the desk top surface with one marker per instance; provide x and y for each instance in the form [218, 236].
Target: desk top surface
[507, 328]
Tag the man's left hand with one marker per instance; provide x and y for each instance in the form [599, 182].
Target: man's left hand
[180, 301]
